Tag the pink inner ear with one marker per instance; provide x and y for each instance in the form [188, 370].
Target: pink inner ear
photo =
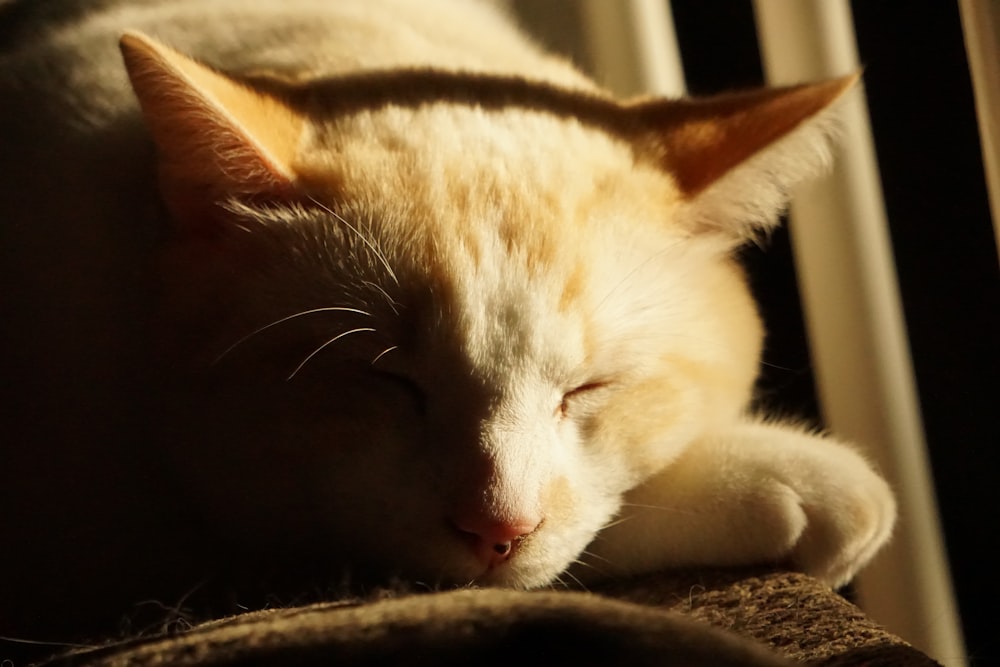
[196, 206]
[216, 138]
[198, 209]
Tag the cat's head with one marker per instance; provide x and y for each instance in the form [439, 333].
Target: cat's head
[437, 324]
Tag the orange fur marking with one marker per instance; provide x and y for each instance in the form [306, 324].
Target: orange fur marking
[699, 141]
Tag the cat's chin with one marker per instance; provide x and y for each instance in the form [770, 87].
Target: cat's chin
[523, 571]
[512, 574]
[522, 574]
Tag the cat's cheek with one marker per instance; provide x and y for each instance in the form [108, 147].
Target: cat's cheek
[641, 431]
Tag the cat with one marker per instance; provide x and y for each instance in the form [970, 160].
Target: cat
[380, 287]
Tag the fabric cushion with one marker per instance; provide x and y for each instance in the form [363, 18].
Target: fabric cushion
[714, 617]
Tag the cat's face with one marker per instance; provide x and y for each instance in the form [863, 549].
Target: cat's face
[439, 334]
[503, 329]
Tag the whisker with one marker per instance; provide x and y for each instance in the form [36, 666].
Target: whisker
[800, 369]
[342, 309]
[383, 353]
[324, 346]
[603, 573]
[612, 524]
[591, 554]
[385, 295]
[38, 642]
[364, 239]
[572, 576]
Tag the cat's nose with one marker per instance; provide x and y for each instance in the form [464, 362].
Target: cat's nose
[494, 541]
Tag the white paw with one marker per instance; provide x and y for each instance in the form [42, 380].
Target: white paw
[755, 494]
[819, 500]
[850, 512]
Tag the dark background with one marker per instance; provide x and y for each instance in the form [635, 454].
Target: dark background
[923, 117]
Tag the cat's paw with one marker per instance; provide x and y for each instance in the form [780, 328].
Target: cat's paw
[755, 494]
[824, 505]
[849, 509]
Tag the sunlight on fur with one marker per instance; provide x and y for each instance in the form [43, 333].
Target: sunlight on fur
[380, 288]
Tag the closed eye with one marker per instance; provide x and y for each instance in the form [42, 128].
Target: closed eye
[577, 395]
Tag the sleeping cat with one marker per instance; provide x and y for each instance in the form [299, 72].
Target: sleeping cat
[294, 288]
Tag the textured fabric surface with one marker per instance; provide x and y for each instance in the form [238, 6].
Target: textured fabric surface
[795, 615]
[693, 618]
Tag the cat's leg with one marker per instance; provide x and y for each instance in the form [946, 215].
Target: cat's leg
[755, 493]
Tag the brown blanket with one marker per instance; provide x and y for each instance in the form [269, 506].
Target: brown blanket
[694, 618]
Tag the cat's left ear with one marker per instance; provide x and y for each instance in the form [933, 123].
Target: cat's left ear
[734, 156]
[216, 138]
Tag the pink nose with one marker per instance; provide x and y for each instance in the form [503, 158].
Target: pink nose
[494, 541]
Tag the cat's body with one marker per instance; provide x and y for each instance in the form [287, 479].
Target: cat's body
[429, 306]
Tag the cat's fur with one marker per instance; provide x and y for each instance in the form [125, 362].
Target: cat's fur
[410, 299]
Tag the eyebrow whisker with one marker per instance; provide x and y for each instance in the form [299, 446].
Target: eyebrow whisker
[325, 345]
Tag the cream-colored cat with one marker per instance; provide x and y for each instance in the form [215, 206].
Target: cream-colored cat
[398, 293]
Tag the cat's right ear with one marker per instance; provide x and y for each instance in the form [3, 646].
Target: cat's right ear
[216, 138]
[735, 156]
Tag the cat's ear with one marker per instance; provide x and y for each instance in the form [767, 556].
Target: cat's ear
[734, 156]
[215, 137]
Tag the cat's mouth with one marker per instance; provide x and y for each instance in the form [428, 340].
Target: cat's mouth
[531, 561]
[494, 543]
